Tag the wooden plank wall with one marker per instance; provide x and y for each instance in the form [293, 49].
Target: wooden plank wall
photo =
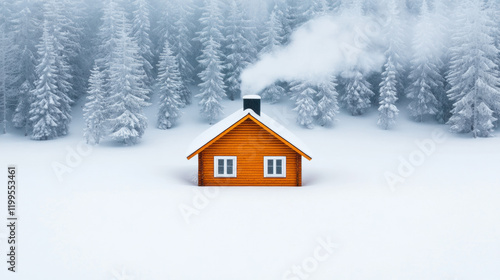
[250, 143]
[299, 169]
[200, 169]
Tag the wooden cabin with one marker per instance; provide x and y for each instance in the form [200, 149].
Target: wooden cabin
[248, 149]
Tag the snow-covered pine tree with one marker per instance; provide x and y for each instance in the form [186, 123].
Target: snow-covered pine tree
[108, 38]
[212, 84]
[316, 8]
[280, 9]
[170, 84]
[141, 29]
[307, 8]
[327, 100]
[94, 109]
[74, 18]
[47, 117]
[180, 41]
[163, 29]
[63, 47]
[441, 29]
[79, 20]
[127, 92]
[319, 8]
[25, 29]
[493, 8]
[21, 113]
[296, 13]
[62, 15]
[3, 80]
[5, 51]
[303, 94]
[240, 51]
[66, 45]
[183, 46]
[5, 15]
[392, 84]
[176, 26]
[425, 79]
[272, 36]
[335, 6]
[388, 96]
[473, 75]
[251, 33]
[3, 89]
[273, 93]
[394, 33]
[357, 93]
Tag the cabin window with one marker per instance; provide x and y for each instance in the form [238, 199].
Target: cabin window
[274, 166]
[225, 166]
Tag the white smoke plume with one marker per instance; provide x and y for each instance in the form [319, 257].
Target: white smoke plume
[320, 48]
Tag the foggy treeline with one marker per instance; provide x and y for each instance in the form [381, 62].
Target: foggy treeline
[436, 59]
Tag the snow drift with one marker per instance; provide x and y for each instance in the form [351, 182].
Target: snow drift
[323, 46]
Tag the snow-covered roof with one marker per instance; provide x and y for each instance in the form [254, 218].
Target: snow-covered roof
[218, 128]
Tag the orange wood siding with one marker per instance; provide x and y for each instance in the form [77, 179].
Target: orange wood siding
[200, 169]
[299, 170]
[249, 143]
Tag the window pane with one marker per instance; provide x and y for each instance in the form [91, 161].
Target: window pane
[270, 166]
[279, 164]
[229, 167]
[220, 167]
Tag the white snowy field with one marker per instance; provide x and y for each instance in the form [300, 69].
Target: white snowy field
[117, 214]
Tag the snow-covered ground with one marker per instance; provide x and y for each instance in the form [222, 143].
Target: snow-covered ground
[114, 212]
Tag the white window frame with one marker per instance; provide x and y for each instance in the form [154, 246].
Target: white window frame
[225, 158]
[283, 167]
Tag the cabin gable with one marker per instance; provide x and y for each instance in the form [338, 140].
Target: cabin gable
[249, 142]
[263, 126]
